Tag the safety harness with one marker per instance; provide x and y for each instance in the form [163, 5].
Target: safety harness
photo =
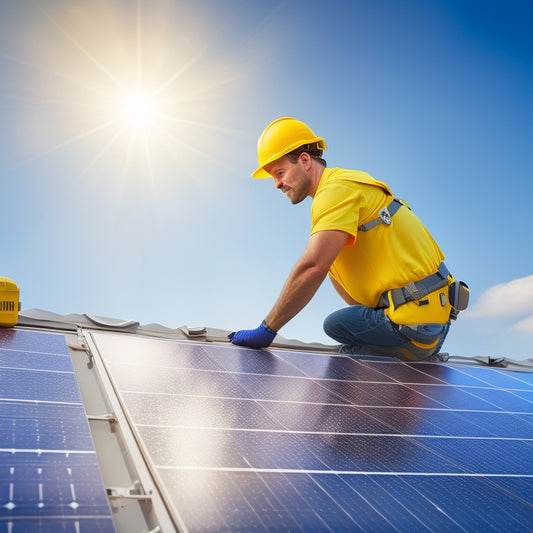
[416, 290]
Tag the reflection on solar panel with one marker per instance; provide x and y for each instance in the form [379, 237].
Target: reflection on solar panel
[241, 439]
[49, 475]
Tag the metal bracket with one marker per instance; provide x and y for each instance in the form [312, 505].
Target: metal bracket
[111, 418]
[135, 492]
[82, 346]
[195, 333]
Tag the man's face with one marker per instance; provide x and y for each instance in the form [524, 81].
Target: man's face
[290, 178]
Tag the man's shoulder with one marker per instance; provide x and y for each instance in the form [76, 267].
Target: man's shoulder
[345, 173]
[341, 176]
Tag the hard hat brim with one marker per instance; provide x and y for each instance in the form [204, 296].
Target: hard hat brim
[260, 173]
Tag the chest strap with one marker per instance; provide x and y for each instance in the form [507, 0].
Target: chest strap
[416, 289]
[384, 216]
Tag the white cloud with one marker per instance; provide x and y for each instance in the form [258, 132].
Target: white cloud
[512, 298]
[524, 326]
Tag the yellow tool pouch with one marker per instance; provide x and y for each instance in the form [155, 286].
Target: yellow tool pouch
[458, 294]
[9, 303]
[402, 305]
[437, 309]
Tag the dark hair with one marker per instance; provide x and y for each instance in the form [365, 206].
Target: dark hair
[311, 149]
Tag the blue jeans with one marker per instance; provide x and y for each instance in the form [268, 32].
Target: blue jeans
[364, 330]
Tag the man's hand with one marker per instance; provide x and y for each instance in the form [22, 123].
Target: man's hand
[260, 337]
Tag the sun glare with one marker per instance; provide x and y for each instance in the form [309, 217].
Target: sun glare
[140, 110]
[124, 88]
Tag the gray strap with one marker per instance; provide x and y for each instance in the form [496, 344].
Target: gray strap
[417, 289]
[385, 215]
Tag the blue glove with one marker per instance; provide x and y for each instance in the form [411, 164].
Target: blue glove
[260, 337]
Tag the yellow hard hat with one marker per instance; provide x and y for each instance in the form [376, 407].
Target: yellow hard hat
[281, 137]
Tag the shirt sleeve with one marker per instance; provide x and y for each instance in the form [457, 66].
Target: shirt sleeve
[338, 206]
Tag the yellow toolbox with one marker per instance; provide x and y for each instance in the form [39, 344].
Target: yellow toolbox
[9, 303]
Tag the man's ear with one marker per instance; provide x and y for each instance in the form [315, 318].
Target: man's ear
[305, 160]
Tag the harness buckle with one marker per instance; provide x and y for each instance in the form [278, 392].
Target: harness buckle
[385, 216]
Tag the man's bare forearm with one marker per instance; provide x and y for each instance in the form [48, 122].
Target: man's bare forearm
[301, 285]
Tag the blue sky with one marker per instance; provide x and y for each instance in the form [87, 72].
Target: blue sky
[152, 214]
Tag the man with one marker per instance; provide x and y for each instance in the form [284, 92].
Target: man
[380, 258]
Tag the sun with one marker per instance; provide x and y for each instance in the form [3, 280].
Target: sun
[129, 95]
[140, 110]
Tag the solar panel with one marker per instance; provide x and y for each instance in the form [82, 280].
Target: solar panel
[242, 439]
[49, 475]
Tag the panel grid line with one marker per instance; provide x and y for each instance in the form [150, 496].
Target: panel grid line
[351, 405]
[345, 472]
[340, 433]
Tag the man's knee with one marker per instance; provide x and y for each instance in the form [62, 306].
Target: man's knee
[344, 325]
[331, 326]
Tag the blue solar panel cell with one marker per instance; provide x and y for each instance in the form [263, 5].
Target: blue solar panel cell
[381, 511]
[51, 484]
[33, 341]
[485, 456]
[509, 399]
[248, 501]
[176, 410]
[520, 489]
[526, 395]
[329, 367]
[382, 394]
[461, 423]
[464, 503]
[455, 397]
[281, 440]
[525, 378]
[49, 386]
[500, 378]
[406, 373]
[447, 375]
[57, 525]
[136, 351]
[316, 507]
[35, 361]
[202, 448]
[337, 367]
[287, 389]
[38, 425]
[325, 418]
[253, 362]
[165, 380]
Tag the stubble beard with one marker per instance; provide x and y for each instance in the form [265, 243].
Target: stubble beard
[300, 192]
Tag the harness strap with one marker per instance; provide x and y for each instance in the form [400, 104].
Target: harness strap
[416, 289]
[385, 215]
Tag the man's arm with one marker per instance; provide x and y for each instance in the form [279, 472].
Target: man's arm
[306, 276]
[301, 285]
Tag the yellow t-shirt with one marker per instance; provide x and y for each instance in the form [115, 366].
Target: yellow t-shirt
[383, 258]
